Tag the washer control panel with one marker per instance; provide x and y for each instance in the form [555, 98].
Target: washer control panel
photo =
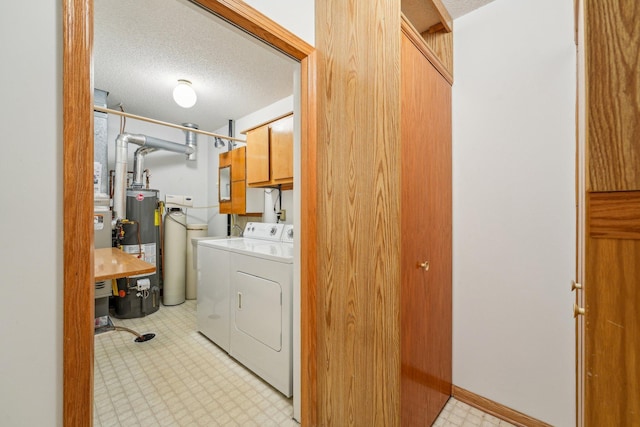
[287, 233]
[263, 231]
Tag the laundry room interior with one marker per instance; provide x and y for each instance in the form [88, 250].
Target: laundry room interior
[201, 191]
[205, 193]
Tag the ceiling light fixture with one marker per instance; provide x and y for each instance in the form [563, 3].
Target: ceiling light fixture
[184, 95]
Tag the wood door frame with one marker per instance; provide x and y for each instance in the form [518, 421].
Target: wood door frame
[78, 242]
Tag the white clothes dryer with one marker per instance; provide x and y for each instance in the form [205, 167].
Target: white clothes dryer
[257, 282]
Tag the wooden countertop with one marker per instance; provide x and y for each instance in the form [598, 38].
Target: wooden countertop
[112, 263]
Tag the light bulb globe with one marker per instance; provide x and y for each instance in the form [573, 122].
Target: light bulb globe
[184, 95]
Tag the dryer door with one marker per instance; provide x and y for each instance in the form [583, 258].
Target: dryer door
[258, 310]
[261, 318]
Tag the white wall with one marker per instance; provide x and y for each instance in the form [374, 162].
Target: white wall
[513, 211]
[31, 216]
[297, 16]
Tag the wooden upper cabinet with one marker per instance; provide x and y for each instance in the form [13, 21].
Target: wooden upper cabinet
[258, 155]
[238, 164]
[232, 184]
[281, 136]
[270, 154]
[224, 181]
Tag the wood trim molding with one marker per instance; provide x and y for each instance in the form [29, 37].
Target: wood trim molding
[245, 17]
[614, 215]
[412, 34]
[445, 18]
[78, 309]
[442, 44]
[78, 211]
[496, 409]
[308, 249]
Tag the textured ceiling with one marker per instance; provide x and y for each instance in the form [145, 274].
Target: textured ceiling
[142, 47]
[457, 8]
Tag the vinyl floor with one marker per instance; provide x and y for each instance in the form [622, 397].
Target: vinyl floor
[180, 378]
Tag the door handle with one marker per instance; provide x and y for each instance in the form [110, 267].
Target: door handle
[239, 300]
[575, 285]
[424, 265]
[577, 310]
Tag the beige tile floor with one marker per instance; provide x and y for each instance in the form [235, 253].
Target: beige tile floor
[459, 414]
[181, 379]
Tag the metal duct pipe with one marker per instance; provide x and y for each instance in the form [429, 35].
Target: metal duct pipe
[231, 133]
[138, 165]
[191, 140]
[120, 179]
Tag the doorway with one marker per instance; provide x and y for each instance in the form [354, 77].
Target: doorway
[78, 189]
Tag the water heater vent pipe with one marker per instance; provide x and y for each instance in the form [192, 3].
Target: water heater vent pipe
[149, 144]
[191, 140]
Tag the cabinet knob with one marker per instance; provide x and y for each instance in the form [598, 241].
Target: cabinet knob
[575, 285]
[424, 265]
[577, 311]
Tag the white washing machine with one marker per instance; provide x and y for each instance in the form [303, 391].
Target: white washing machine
[255, 276]
[212, 305]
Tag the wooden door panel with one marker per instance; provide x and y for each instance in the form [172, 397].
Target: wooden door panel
[612, 333]
[238, 197]
[238, 164]
[426, 231]
[258, 155]
[282, 149]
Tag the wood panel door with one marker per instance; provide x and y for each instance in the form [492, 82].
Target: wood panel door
[426, 239]
[609, 334]
[612, 333]
[612, 298]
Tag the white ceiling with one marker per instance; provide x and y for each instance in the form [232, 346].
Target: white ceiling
[142, 48]
[457, 8]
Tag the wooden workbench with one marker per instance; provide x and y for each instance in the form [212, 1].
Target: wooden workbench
[112, 263]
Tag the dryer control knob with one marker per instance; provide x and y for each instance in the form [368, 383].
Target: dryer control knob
[290, 233]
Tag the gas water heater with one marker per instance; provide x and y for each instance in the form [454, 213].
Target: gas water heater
[140, 295]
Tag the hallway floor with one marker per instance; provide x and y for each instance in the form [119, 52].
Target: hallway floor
[180, 378]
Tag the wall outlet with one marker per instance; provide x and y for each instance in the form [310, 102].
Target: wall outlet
[283, 215]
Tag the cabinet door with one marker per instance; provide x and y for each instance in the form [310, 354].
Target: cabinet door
[238, 197]
[281, 136]
[238, 164]
[258, 155]
[224, 182]
[426, 239]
